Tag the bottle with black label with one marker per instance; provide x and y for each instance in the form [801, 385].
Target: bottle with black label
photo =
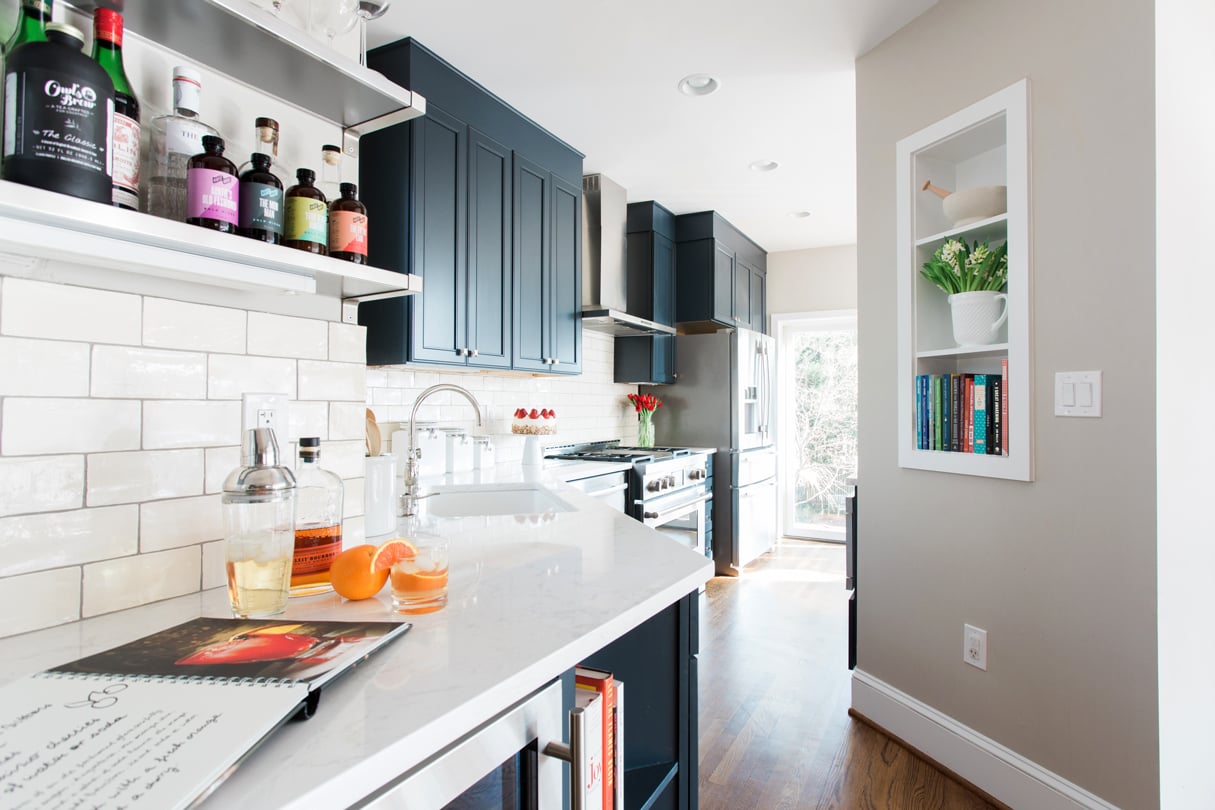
[348, 226]
[59, 105]
[261, 201]
[307, 222]
[212, 199]
[107, 50]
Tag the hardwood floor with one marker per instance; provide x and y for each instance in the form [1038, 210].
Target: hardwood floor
[774, 693]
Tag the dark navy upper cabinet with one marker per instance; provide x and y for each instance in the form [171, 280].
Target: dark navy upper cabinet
[548, 271]
[721, 275]
[497, 246]
[650, 260]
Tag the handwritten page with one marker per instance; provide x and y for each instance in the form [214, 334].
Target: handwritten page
[128, 743]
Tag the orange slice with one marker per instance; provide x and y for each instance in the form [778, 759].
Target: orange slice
[411, 581]
[391, 552]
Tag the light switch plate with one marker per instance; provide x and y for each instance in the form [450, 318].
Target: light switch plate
[1077, 393]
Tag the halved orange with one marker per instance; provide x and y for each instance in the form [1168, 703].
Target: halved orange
[352, 576]
[391, 552]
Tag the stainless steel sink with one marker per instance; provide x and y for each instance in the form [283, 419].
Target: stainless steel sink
[479, 500]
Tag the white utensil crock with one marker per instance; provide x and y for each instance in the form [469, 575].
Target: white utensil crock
[380, 495]
[978, 316]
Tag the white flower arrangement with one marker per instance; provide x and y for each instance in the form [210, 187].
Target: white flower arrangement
[955, 268]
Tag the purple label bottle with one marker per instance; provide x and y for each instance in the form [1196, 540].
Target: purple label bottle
[212, 189]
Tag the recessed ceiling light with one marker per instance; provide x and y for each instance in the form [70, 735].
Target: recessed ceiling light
[799, 214]
[698, 84]
[764, 166]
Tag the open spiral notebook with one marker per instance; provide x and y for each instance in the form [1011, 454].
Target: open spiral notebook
[160, 722]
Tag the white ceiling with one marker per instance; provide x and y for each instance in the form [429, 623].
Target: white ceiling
[603, 76]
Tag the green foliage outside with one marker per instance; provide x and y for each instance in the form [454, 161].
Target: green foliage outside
[824, 423]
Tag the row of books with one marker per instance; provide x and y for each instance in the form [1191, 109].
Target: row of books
[601, 698]
[963, 413]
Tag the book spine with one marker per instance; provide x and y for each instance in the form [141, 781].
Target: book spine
[618, 763]
[946, 412]
[980, 431]
[968, 402]
[591, 788]
[997, 415]
[924, 411]
[602, 683]
[1004, 404]
[919, 412]
[955, 433]
[936, 403]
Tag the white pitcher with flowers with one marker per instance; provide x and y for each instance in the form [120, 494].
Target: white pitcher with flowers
[974, 279]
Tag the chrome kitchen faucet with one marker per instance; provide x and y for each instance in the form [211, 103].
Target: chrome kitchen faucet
[410, 496]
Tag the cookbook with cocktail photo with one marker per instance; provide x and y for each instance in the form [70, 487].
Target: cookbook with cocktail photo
[161, 721]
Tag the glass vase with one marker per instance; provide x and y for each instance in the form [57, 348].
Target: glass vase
[645, 429]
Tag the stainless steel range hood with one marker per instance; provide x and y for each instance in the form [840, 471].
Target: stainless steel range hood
[604, 279]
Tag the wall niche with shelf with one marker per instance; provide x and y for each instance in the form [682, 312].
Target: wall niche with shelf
[985, 144]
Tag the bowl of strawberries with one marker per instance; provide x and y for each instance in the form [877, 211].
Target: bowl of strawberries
[534, 422]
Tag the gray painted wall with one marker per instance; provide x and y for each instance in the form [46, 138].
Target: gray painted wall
[1061, 571]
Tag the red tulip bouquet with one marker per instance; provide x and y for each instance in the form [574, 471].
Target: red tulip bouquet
[645, 405]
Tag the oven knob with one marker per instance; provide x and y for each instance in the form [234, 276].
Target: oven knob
[650, 515]
[664, 482]
[653, 486]
[671, 481]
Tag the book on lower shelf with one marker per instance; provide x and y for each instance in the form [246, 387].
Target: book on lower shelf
[602, 683]
[963, 413]
[160, 722]
[591, 789]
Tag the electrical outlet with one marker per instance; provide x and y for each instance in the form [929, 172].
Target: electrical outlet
[265, 410]
[974, 646]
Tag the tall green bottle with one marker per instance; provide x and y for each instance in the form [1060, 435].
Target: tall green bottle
[31, 27]
[124, 134]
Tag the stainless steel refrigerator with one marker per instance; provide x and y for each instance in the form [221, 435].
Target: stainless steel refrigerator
[723, 398]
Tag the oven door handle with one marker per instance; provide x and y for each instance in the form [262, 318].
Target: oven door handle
[683, 508]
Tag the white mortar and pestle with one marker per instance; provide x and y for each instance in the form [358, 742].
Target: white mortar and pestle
[968, 205]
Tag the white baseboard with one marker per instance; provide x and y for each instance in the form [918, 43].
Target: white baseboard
[1001, 772]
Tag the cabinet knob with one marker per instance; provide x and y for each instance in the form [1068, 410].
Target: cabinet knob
[555, 361]
[474, 353]
[461, 352]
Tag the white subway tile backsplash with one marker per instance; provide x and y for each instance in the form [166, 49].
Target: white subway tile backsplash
[41, 484]
[386, 396]
[352, 499]
[137, 580]
[307, 419]
[229, 376]
[37, 426]
[120, 371]
[143, 476]
[40, 309]
[280, 336]
[377, 378]
[325, 380]
[214, 565]
[180, 522]
[219, 462]
[346, 459]
[56, 539]
[348, 420]
[172, 424]
[178, 325]
[43, 368]
[33, 601]
[347, 343]
[401, 379]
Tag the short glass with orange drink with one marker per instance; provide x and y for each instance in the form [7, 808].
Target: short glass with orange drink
[419, 580]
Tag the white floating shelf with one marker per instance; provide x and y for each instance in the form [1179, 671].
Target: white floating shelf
[993, 350]
[985, 230]
[43, 224]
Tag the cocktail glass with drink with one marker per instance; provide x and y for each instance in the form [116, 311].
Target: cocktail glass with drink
[419, 580]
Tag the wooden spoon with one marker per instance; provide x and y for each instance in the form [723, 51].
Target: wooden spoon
[373, 434]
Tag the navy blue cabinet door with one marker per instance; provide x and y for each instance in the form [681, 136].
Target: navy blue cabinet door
[742, 293]
[489, 252]
[759, 309]
[440, 149]
[532, 283]
[567, 277]
[723, 284]
[664, 280]
[387, 321]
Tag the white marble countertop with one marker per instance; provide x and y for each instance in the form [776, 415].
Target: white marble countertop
[529, 597]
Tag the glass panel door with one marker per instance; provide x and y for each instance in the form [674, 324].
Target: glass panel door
[817, 418]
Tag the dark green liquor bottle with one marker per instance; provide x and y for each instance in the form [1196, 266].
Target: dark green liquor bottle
[31, 27]
[124, 134]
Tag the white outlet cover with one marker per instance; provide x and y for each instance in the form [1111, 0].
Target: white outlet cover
[252, 403]
[1078, 393]
[974, 646]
